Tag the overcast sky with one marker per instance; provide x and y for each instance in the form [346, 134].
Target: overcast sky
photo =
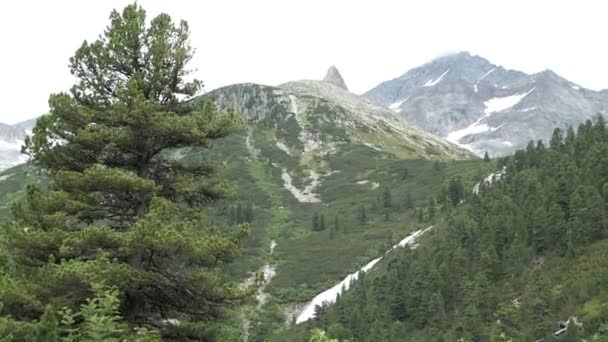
[271, 42]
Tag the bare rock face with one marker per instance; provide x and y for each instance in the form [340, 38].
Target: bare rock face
[485, 107]
[333, 76]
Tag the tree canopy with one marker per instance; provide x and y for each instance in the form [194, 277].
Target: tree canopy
[123, 209]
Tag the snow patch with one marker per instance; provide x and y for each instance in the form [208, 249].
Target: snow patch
[395, 106]
[365, 181]
[575, 87]
[5, 177]
[329, 296]
[499, 104]
[474, 128]
[494, 105]
[482, 77]
[431, 83]
[527, 109]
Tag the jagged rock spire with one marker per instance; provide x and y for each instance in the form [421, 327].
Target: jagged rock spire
[333, 76]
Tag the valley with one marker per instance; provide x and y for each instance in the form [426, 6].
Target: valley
[461, 201]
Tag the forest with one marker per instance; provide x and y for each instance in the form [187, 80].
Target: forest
[524, 259]
[145, 213]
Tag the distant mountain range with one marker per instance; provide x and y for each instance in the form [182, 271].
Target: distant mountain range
[11, 140]
[485, 107]
[462, 98]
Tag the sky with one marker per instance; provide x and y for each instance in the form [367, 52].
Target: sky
[275, 41]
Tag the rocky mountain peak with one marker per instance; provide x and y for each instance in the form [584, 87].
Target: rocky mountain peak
[485, 107]
[333, 76]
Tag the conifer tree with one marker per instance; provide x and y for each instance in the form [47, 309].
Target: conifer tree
[409, 202]
[362, 215]
[315, 221]
[47, 330]
[387, 201]
[120, 209]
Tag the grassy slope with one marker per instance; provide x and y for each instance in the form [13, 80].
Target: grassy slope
[308, 262]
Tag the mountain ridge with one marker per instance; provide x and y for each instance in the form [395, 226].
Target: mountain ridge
[482, 104]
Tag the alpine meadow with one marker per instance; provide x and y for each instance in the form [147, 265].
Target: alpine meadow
[460, 201]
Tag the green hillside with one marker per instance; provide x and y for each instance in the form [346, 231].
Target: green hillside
[514, 263]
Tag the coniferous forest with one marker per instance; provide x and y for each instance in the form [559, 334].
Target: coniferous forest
[511, 263]
[151, 210]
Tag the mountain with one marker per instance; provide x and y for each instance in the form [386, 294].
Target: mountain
[326, 179]
[522, 256]
[312, 116]
[485, 107]
[333, 76]
[11, 140]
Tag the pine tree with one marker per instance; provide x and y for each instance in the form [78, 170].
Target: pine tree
[486, 157]
[387, 201]
[120, 209]
[240, 218]
[47, 330]
[322, 222]
[456, 191]
[432, 209]
[409, 202]
[249, 213]
[315, 221]
[362, 215]
[405, 174]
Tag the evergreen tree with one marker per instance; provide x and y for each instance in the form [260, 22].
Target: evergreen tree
[486, 157]
[120, 209]
[387, 201]
[362, 215]
[240, 218]
[405, 174]
[322, 222]
[249, 213]
[432, 208]
[47, 330]
[315, 222]
[456, 190]
[409, 202]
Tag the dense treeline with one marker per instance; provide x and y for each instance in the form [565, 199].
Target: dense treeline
[509, 263]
